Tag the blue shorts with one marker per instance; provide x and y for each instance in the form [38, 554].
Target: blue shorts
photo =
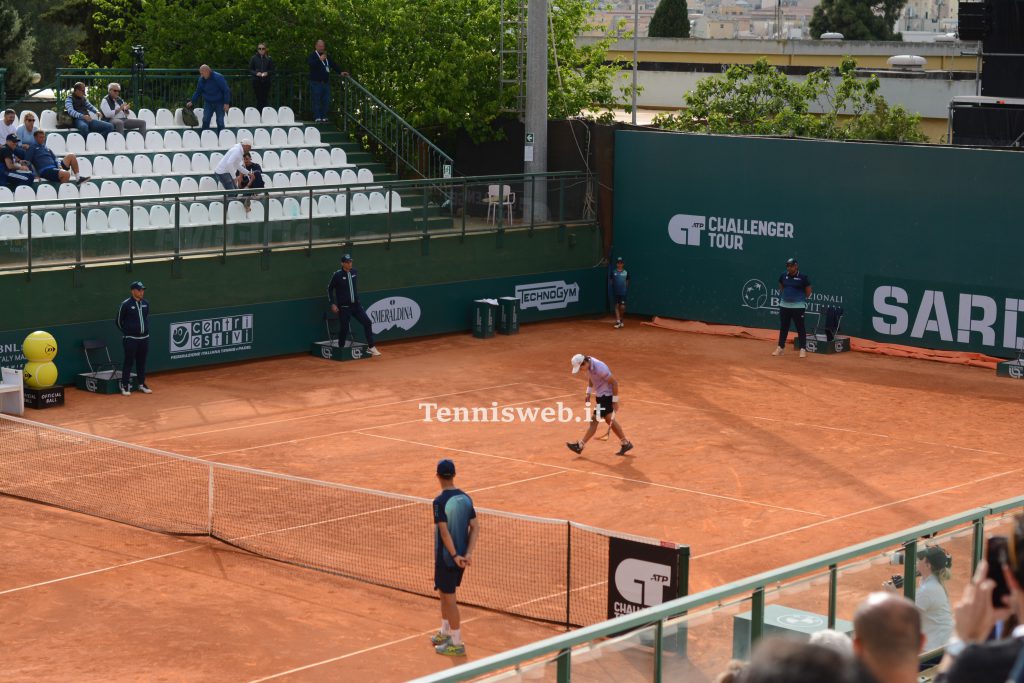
[620, 299]
[52, 174]
[447, 579]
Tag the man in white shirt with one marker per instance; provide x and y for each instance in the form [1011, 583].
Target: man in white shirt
[231, 163]
[8, 126]
[117, 112]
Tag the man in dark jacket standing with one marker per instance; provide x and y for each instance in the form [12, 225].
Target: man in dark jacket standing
[320, 67]
[261, 66]
[343, 294]
[216, 94]
[133, 321]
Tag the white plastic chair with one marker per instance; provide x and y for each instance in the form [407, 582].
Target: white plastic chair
[348, 177]
[115, 142]
[200, 163]
[160, 217]
[208, 184]
[261, 138]
[48, 120]
[234, 117]
[360, 203]
[257, 158]
[295, 137]
[37, 224]
[236, 211]
[365, 176]
[84, 167]
[268, 116]
[279, 138]
[179, 120]
[297, 179]
[190, 140]
[502, 195]
[332, 177]
[311, 136]
[53, 223]
[270, 161]
[288, 159]
[169, 186]
[117, 220]
[130, 188]
[181, 163]
[255, 212]
[252, 116]
[67, 192]
[377, 203]
[215, 209]
[338, 157]
[172, 140]
[148, 116]
[290, 207]
[198, 214]
[6, 196]
[122, 165]
[322, 158]
[9, 227]
[396, 202]
[305, 159]
[154, 141]
[314, 179]
[285, 115]
[46, 191]
[89, 191]
[188, 186]
[184, 215]
[304, 207]
[149, 187]
[140, 218]
[210, 140]
[74, 143]
[215, 158]
[56, 145]
[73, 222]
[109, 189]
[242, 134]
[226, 138]
[325, 206]
[164, 118]
[101, 167]
[143, 165]
[24, 193]
[199, 115]
[161, 164]
[95, 143]
[97, 221]
[134, 142]
[281, 181]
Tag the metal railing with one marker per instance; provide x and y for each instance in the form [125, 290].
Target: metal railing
[659, 643]
[482, 207]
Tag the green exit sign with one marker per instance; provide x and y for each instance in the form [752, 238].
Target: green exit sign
[529, 138]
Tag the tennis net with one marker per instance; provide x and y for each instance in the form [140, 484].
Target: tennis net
[545, 569]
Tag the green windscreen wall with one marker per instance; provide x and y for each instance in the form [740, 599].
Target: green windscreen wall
[920, 245]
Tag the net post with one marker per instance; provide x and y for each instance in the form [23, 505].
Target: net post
[568, 576]
[209, 504]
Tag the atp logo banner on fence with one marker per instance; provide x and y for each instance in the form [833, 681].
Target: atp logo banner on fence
[640, 575]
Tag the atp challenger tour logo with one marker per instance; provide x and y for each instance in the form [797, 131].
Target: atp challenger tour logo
[548, 296]
[640, 575]
[723, 233]
[212, 336]
[398, 311]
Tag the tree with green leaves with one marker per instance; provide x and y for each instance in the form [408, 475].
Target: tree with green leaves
[671, 20]
[857, 19]
[16, 47]
[758, 99]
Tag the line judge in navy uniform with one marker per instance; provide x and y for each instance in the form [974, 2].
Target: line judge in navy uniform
[796, 290]
[343, 293]
[133, 321]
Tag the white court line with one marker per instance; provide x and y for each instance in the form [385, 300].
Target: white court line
[854, 514]
[598, 474]
[101, 570]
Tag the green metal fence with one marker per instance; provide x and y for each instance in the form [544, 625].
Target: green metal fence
[693, 638]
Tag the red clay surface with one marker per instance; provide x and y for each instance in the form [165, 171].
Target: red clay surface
[753, 461]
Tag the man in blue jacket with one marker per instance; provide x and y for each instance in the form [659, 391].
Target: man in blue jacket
[320, 67]
[216, 94]
[133, 321]
[344, 297]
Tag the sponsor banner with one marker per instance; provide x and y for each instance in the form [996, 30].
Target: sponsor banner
[396, 311]
[640, 575]
[548, 296]
[211, 337]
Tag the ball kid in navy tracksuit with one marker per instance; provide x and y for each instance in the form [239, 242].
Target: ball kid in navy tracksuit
[133, 321]
[343, 293]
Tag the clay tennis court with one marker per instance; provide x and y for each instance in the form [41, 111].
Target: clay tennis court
[753, 461]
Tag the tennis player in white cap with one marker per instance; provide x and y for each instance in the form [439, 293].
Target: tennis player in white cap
[605, 388]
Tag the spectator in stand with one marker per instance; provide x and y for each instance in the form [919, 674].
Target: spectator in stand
[27, 131]
[15, 169]
[46, 164]
[252, 181]
[216, 94]
[320, 67]
[8, 126]
[780, 660]
[118, 113]
[86, 117]
[888, 638]
[837, 640]
[261, 66]
[232, 164]
[732, 671]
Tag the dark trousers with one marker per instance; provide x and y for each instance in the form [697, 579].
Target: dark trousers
[345, 313]
[320, 94]
[211, 110]
[135, 352]
[261, 89]
[794, 315]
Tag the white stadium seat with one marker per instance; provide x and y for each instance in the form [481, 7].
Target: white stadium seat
[268, 116]
[378, 203]
[56, 145]
[184, 217]
[48, 120]
[216, 212]
[290, 207]
[164, 118]
[109, 189]
[275, 211]
[234, 117]
[148, 116]
[181, 163]
[297, 179]
[270, 161]
[281, 181]
[95, 143]
[396, 201]
[226, 139]
[325, 206]
[322, 158]
[190, 140]
[210, 140]
[118, 220]
[154, 141]
[348, 177]
[68, 191]
[311, 135]
[360, 203]
[295, 137]
[89, 191]
[208, 184]
[74, 222]
[200, 163]
[134, 142]
[305, 159]
[288, 160]
[261, 138]
[285, 115]
[199, 115]
[314, 179]
[140, 218]
[304, 207]
[101, 167]
[252, 116]
[37, 224]
[215, 158]
[172, 140]
[143, 165]
[242, 134]
[97, 221]
[188, 186]
[161, 164]
[6, 196]
[122, 165]
[130, 188]
[365, 176]
[332, 177]
[74, 143]
[84, 167]
[198, 214]
[46, 191]
[115, 142]
[338, 157]
[236, 211]
[9, 227]
[160, 217]
[278, 138]
[256, 212]
[53, 223]
[149, 187]
[24, 193]
[169, 186]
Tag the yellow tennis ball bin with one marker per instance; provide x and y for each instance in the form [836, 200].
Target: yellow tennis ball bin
[39, 347]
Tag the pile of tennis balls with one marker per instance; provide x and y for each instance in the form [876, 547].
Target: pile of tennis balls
[40, 348]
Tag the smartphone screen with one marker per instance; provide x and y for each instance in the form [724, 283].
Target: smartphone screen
[996, 555]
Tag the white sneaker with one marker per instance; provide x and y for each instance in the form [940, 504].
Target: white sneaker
[126, 391]
[144, 389]
[778, 351]
[803, 353]
[373, 351]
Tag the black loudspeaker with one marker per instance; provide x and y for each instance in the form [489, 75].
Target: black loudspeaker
[973, 21]
[1005, 27]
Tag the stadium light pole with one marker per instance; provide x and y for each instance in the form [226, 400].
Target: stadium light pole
[535, 153]
[636, 33]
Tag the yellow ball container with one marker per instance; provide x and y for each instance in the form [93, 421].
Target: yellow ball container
[39, 347]
[40, 375]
